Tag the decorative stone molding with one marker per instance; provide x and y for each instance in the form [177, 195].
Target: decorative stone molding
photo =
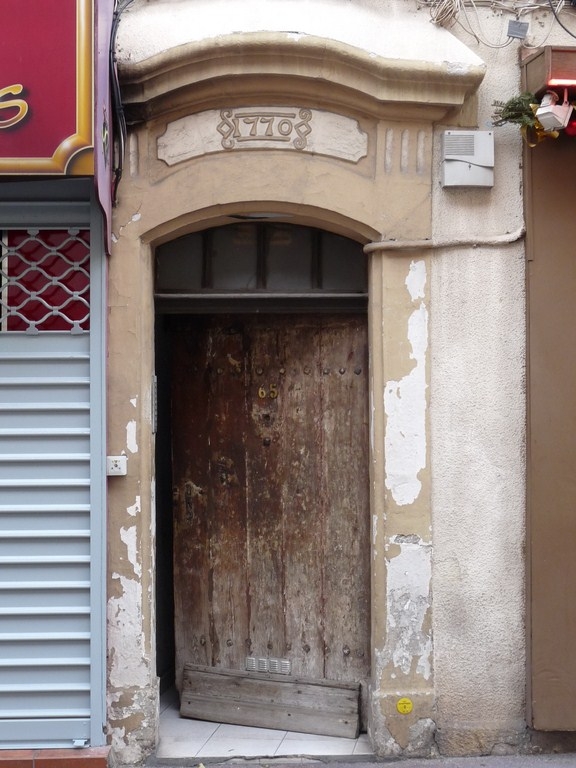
[270, 127]
[338, 57]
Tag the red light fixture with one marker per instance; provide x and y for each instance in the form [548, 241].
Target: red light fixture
[549, 67]
[561, 82]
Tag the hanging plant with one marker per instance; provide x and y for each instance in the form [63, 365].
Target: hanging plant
[521, 110]
[518, 110]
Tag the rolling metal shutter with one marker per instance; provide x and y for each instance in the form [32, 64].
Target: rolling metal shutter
[52, 522]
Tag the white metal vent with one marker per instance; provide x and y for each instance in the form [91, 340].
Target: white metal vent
[265, 664]
[280, 666]
[468, 159]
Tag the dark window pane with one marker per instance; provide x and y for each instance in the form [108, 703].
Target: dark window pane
[343, 264]
[234, 257]
[179, 264]
[289, 259]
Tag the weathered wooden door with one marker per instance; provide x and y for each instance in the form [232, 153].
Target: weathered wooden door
[270, 465]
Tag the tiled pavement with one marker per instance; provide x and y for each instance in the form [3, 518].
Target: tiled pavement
[184, 738]
[198, 744]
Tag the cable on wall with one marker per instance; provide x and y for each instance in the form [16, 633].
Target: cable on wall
[449, 13]
[120, 132]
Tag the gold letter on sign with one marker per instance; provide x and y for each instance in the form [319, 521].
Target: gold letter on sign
[18, 104]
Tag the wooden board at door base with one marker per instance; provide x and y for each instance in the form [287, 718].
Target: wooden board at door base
[272, 701]
[271, 511]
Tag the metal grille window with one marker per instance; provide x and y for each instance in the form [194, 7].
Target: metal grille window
[45, 278]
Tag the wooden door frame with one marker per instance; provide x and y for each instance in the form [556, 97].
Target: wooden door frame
[392, 305]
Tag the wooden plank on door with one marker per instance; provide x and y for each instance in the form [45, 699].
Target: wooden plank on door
[302, 507]
[265, 529]
[209, 427]
[271, 701]
[346, 589]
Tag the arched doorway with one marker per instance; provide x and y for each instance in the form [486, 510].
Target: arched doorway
[327, 128]
[263, 511]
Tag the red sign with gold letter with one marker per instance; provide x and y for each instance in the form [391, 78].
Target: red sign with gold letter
[46, 87]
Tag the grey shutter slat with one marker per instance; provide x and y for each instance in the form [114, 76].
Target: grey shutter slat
[45, 552]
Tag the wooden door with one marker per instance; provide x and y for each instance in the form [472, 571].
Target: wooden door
[552, 419]
[270, 458]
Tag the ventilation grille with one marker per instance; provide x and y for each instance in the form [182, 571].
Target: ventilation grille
[460, 143]
[264, 664]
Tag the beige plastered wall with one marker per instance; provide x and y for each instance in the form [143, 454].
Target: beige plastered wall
[445, 287]
[478, 395]
[478, 428]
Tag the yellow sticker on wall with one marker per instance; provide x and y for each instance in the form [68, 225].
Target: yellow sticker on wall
[404, 706]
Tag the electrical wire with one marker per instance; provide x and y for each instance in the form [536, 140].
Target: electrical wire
[121, 131]
[555, 12]
[535, 45]
[449, 13]
[481, 38]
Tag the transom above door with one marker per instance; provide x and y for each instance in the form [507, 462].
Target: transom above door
[257, 263]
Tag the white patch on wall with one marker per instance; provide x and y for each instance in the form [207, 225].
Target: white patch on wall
[405, 404]
[129, 537]
[281, 128]
[408, 601]
[135, 508]
[128, 666]
[131, 443]
[416, 280]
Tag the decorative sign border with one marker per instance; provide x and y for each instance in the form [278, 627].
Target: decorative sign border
[60, 162]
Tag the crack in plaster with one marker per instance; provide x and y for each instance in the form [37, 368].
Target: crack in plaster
[134, 219]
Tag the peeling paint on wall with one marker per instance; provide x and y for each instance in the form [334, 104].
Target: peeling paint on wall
[135, 508]
[131, 443]
[408, 641]
[132, 727]
[416, 280]
[128, 536]
[405, 404]
[127, 657]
